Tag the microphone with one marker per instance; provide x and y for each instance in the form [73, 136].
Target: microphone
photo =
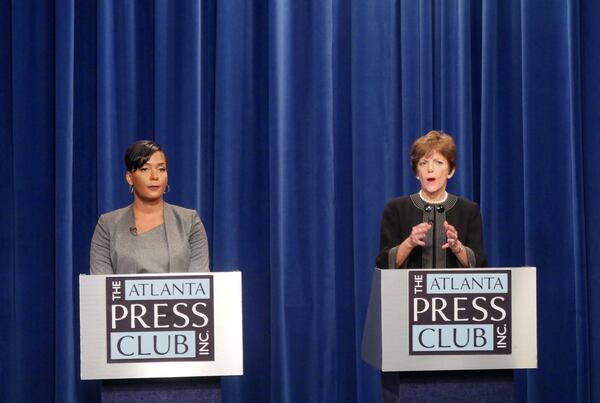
[133, 230]
[428, 209]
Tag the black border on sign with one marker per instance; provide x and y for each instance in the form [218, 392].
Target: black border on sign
[211, 357]
[508, 351]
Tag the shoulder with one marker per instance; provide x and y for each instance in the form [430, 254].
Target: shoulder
[400, 208]
[185, 216]
[114, 216]
[180, 211]
[399, 203]
[466, 204]
[466, 208]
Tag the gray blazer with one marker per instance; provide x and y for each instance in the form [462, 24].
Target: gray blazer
[112, 250]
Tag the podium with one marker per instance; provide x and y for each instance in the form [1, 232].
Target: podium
[451, 334]
[161, 337]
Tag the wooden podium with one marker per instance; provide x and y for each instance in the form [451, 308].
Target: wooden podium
[180, 332]
[454, 334]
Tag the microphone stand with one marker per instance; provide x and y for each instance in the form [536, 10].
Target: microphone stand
[440, 209]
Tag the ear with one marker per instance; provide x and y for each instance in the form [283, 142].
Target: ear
[451, 173]
[128, 178]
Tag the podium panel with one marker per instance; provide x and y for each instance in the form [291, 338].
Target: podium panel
[163, 390]
[451, 319]
[161, 325]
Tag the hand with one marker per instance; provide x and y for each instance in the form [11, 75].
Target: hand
[418, 234]
[452, 239]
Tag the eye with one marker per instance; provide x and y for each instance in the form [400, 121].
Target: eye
[439, 162]
[162, 169]
[143, 169]
[422, 163]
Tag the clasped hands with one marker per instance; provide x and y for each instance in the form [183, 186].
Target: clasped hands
[419, 232]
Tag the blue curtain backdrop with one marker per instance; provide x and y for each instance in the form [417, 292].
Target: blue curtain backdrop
[287, 125]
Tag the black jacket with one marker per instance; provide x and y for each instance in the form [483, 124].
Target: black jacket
[403, 213]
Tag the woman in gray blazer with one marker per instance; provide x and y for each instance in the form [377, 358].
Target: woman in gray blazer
[149, 235]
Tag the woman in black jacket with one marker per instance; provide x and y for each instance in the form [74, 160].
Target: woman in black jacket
[431, 228]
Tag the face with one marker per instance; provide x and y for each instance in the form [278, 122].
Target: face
[149, 181]
[433, 171]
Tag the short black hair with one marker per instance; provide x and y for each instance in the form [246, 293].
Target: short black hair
[139, 153]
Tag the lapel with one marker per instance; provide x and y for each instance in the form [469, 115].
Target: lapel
[123, 236]
[170, 232]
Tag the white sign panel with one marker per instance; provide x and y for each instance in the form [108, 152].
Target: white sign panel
[450, 319]
[161, 325]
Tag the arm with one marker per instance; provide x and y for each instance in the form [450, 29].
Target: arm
[198, 246]
[455, 245]
[395, 247]
[388, 237]
[474, 238]
[470, 252]
[100, 262]
[416, 238]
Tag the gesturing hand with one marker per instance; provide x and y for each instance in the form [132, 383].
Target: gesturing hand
[417, 235]
[452, 239]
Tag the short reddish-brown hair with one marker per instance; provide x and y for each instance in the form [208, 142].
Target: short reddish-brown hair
[433, 141]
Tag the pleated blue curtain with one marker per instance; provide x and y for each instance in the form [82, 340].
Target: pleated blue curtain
[31, 217]
[288, 126]
[552, 171]
[241, 193]
[588, 274]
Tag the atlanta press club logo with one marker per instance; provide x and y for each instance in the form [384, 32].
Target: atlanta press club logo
[160, 318]
[460, 312]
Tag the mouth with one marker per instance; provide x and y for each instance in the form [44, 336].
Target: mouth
[154, 187]
[430, 180]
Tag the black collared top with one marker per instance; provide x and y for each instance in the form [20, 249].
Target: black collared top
[403, 213]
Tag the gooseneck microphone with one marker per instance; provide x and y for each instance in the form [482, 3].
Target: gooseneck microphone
[428, 209]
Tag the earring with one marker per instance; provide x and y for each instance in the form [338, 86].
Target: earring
[130, 188]
[168, 189]
[417, 177]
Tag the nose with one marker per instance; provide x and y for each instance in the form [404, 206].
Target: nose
[429, 167]
[154, 174]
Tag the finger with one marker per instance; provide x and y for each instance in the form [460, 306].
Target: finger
[450, 241]
[420, 233]
[420, 230]
[419, 236]
[417, 241]
[424, 226]
[448, 245]
[451, 235]
[449, 227]
[451, 230]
